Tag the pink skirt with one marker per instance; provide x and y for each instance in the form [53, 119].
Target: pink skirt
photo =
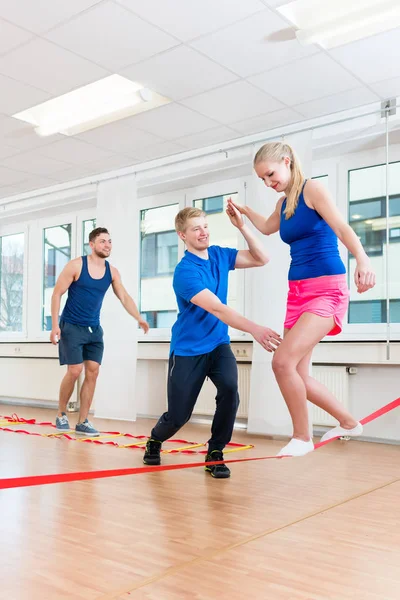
[326, 296]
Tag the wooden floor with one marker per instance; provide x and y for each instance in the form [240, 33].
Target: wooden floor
[322, 527]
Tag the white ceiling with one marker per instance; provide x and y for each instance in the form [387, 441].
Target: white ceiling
[224, 64]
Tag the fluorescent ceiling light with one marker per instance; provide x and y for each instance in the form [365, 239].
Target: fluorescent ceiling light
[93, 105]
[331, 23]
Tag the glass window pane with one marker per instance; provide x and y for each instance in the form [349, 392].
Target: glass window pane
[167, 252]
[166, 318]
[87, 227]
[359, 211]
[395, 311]
[12, 282]
[367, 311]
[213, 205]
[158, 259]
[57, 252]
[394, 206]
[367, 216]
[222, 233]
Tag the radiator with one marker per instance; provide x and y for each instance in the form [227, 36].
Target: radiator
[336, 379]
[205, 404]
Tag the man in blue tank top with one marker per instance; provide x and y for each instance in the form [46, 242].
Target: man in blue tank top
[200, 341]
[79, 333]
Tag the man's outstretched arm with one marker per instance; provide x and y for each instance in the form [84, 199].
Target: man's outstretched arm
[268, 338]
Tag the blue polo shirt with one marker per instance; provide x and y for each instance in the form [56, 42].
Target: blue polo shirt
[197, 331]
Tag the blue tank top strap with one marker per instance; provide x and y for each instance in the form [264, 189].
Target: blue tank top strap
[85, 270]
[108, 271]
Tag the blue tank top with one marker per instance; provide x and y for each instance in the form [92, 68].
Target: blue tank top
[85, 297]
[313, 244]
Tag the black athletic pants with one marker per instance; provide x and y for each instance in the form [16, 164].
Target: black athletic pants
[186, 376]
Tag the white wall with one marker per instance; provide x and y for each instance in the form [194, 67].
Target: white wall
[150, 389]
[115, 391]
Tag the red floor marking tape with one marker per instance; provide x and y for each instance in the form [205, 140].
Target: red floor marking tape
[375, 415]
[14, 482]
[64, 477]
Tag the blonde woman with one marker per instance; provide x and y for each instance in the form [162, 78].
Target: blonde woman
[318, 296]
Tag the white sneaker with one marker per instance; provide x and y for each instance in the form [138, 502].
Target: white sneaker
[338, 432]
[296, 448]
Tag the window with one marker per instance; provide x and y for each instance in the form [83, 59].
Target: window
[158, 259]
[87, 227]
[57, 252]
[222, 233]
[11, 282]
[161, 319]
[367, 216]
[215, 204]
[159, 253]
[373, 311]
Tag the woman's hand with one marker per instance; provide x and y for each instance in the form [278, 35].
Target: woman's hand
[364, 276]
[239, 207]
[234, 215]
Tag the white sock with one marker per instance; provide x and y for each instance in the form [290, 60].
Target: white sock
[296, 448]
[338, 431]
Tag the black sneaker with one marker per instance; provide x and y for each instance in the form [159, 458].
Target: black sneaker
[217, 471]
[152, 452]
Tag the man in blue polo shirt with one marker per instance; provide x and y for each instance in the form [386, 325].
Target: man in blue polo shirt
[200, 342]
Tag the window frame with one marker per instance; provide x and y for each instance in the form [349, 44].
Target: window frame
[47, 224]
[184, 197]
[147, 203]
[85, 215]
[158, 273]
[16, 229]
[361, 160]
[34, 273]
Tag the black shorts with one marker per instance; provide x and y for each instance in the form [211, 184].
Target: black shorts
[79, 343]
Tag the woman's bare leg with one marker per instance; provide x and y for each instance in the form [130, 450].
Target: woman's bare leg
[319, 395]
[298, 342]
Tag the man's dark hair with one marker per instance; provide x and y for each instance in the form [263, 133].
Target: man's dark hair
[96, 232]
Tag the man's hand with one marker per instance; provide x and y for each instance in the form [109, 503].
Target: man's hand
[55, 336]
[144, 325]
[268, 338]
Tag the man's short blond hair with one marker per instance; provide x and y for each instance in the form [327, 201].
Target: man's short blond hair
[184, 215]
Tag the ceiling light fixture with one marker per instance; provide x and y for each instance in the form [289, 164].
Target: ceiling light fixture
[93, 105]
[336, 22]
